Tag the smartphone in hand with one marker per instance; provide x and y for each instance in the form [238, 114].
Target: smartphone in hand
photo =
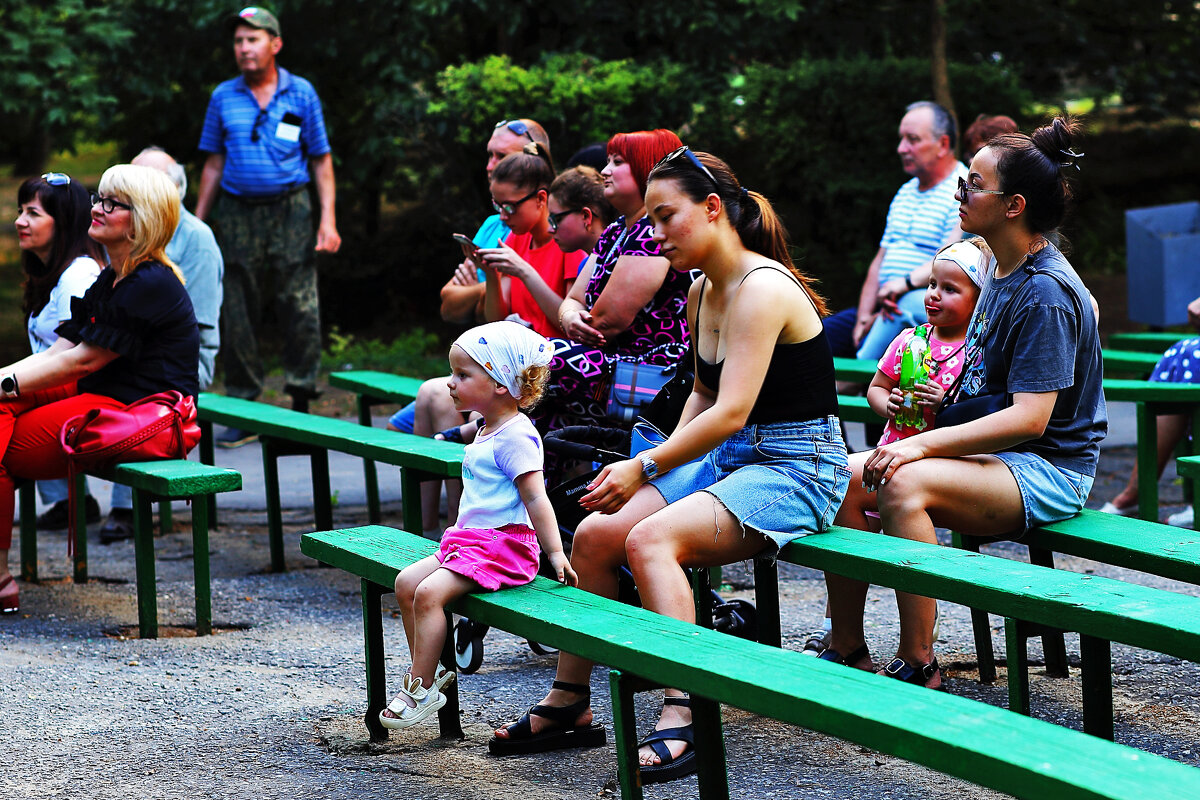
[469, 249]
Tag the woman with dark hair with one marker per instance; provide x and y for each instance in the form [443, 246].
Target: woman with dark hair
[131, 335]
[60, 262]
[527, 274]
[1033, 352]
[756, 460]
[579, 211]
[631, 307]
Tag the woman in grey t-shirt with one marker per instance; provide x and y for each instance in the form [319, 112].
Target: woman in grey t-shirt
[1033, 348]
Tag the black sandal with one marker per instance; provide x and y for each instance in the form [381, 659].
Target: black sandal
[669, 769]
[522, 740]
[901, 670]
[847, 661]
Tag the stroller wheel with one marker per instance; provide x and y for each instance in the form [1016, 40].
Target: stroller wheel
[468, 645]
[736, 617]
[538, 648]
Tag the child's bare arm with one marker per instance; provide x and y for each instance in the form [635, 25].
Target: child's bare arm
[883, 396]
[532, 487]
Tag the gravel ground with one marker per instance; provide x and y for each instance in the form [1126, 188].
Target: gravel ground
[271, 706]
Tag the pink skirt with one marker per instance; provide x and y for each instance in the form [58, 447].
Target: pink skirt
[494, 559]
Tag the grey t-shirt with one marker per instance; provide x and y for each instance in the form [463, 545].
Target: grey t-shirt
[1034, 331]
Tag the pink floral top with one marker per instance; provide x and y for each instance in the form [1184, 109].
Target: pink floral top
[944, 361]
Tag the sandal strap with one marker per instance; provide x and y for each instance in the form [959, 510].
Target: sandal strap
[574, 688]
[685, 733]
[563, 715]
[686, 702]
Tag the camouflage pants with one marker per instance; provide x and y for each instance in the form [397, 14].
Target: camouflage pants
[268, 251]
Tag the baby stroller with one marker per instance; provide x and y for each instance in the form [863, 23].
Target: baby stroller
[600, 446]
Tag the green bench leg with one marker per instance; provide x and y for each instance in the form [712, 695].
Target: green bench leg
[710, 749]
[373, 647]
[274, 507]
[81, 560]
[201, 566]
[143, 544]
[1018, 666]
[981, 625]
[166, 517]
[208, 456]
[621, 689]
[1147, 463]
[410, 497]
[370, 474]
[1096, 656]
[29, 566]
[766, 601]
[1053, 646]
[449, 720]
[322, 493]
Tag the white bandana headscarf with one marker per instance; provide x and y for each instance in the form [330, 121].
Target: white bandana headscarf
[968, 257]
[504, 349]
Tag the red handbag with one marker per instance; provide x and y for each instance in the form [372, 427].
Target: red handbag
[160, 426]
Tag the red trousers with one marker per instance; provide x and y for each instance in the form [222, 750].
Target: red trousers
[29, 443]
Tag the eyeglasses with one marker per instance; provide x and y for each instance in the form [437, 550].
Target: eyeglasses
[516, 126]
[556, 219]
[259, 120]
[686, 151]
[57, 178]
[508, 209]
[964, 190]
[108, 204]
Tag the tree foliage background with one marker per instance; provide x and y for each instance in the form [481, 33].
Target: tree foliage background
[801, 96]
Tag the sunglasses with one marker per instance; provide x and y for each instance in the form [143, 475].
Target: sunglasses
[516, 126]
[556, 219]
[57, 178]
[508, 209]
[686, 152]
[108, 204]
[964, 190]
[258, 121]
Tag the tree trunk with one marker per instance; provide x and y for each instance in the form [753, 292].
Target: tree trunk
[941, 75]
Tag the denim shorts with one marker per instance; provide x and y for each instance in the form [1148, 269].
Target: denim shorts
[1049, 493]
[403, 419]
[784, 479]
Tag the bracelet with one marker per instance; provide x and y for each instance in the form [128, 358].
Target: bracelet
[908, 282]
[8, 386]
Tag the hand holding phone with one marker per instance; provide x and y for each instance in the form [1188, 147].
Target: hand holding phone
[469, 249]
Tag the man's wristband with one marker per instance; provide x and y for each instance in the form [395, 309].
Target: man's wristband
[908, 282]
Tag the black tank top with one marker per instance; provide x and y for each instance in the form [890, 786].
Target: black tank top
[799, 384]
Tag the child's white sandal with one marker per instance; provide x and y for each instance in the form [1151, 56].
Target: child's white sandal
[428, 701]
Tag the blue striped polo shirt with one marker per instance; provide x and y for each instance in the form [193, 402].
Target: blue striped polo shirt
[918, 224]
[278, 161]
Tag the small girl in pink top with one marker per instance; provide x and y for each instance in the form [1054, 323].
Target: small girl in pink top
[958, 272]
[496, 369]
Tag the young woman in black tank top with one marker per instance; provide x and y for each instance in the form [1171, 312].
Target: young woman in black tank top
[756, 460]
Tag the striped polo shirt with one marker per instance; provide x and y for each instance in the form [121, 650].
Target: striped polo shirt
[278, 160]
[918, 224]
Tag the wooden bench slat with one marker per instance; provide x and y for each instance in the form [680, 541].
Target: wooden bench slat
[380, 385]
[971, 740]
[1150, 341]
[174, 478]
[1124, 542]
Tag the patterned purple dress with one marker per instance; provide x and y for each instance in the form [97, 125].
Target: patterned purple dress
[580, 374]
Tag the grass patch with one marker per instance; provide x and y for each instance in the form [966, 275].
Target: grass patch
[414, 352]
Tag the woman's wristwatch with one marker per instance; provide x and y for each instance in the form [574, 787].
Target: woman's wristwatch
[649, 466]
[912, 287]
[8, 386]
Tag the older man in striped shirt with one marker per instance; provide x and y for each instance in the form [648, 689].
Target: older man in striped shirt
[922, 218]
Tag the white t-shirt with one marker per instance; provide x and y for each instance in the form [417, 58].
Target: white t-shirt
[76, 279]
[490, 465]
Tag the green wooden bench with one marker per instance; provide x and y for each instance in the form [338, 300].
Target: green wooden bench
[373, 388]
[164, 481]
[1147, 341]
[1110, 539]
[284, 432]
[1128, 362]
[1017, 755]
[1189, 466]
[1102, 610]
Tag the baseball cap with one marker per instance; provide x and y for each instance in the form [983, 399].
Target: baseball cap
[256, 17]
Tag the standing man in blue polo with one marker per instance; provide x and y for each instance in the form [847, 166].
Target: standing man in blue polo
[264, 131]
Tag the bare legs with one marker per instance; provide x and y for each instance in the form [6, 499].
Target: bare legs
[976, 495]
[656, 541]
[1170, 430]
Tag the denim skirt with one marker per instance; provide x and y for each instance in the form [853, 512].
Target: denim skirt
[783, 479]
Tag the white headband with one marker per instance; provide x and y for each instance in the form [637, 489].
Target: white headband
[504, 349]
[967, 256]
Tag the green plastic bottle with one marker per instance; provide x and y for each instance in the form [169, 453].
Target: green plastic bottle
[913, 371]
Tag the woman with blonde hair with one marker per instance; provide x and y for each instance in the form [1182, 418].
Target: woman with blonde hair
[131, 335]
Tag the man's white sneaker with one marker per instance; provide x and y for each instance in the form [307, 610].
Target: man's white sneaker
[1183, 519]
[1127, 511]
